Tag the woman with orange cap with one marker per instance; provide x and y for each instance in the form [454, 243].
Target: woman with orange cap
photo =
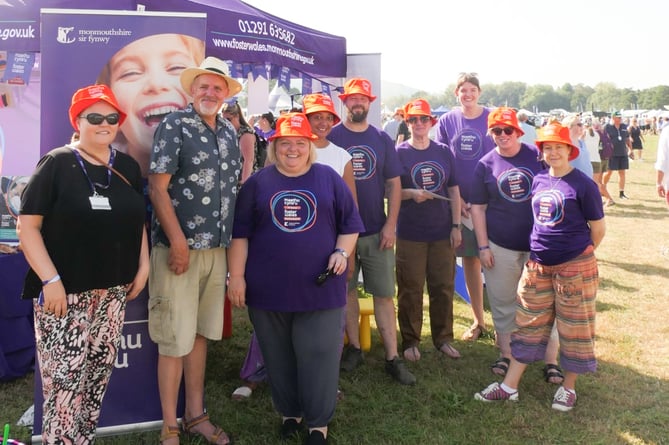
[428, 232]
[559, 282]
[82, 230]
[305, 211]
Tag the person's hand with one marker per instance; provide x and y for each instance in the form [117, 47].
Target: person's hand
[465, 208]
[337, 263]
[178, 258]
[419, 195]
[661, 191]
[456, 237]
[237, 291]
[388, 236]
[487, 258]
[55, 299]
[133, 289]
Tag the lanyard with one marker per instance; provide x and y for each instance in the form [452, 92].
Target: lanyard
[92, 184]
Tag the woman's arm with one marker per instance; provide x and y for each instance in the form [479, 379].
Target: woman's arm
[247, 143]
[29, 228]
[597, 230]
[237, 255]
[456, 234]
[481, 231]
[344, 248]
[142, 275]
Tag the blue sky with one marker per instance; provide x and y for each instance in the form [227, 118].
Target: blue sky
[425, 44]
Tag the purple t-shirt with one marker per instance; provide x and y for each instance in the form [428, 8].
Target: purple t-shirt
[430, 169]
[374, 161]
[562, 208]
[468, 142]
[505, 184]
[292, 224]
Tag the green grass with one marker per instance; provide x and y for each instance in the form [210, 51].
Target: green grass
[625, 402]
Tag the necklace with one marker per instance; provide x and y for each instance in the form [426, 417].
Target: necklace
[553, 185]
[618, 130]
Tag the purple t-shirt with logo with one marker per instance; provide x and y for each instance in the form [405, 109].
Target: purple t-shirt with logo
[468, 142]
[292, 224]
[432, 170]
[374, 161]
[505, 185]
[562, 208]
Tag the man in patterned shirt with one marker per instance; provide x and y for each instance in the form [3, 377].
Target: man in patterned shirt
[193, 177]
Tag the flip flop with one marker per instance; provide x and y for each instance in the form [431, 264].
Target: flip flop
[473, 333]
[411, 354]
[501, 366]
[553, 374]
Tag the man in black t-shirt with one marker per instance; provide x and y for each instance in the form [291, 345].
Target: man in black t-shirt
[622, 151]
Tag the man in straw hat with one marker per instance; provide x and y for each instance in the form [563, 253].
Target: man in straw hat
[193, 176]
[376, 168]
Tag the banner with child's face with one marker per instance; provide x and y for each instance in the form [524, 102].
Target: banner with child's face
[136, 53]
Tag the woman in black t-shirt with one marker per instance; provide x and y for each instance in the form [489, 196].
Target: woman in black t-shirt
[81, 227]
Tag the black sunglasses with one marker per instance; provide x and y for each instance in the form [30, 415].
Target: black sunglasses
[507, 131]
[423, 119]
[97, 118]
[323, 276]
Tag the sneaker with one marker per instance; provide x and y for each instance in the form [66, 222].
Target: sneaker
[564, 399]
[316, 438]
[290, 428]
[399, 371]
[351, 359]
[495, 393]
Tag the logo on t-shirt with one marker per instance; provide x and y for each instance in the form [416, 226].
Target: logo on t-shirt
[364, 162]
[428, 176]
[468, 145]
[293, 210]
[548, 207]
[515, 184]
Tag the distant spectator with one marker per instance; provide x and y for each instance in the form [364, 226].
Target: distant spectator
[637, 139]
[530, 131]
[582, 161]
[403, 133]
[662, 165]
[393, 125]
[622, 149]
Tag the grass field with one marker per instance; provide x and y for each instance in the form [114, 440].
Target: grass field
[625, 402]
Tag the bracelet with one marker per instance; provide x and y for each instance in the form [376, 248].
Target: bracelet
[342, 251]
[52, 280]
[484, 248]
[455, 226]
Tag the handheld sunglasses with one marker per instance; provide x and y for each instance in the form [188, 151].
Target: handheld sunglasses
[422, 119]
[97, 118]
[322, 278]
[506, 130]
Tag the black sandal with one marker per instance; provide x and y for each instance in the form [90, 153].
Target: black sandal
[501, 366]
[552, 371]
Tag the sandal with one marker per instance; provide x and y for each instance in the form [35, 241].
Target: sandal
[553, 374]
[473, 333]
[245, 391]
[449, 350]
[171, 433]
[501, 366]
[188, 426]
[411, 354]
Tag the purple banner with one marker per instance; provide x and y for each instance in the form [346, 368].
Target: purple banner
[19, 19]
[242, 33]
[132, 53]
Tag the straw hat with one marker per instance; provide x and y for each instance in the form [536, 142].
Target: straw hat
[210, 65]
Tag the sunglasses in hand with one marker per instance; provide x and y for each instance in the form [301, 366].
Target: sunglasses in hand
[323, 276]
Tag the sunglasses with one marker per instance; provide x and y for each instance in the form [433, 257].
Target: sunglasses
[322, 278]
[97, 118]
[423, 119]
[507, 131]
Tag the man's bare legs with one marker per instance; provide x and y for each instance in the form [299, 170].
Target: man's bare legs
[474, 282]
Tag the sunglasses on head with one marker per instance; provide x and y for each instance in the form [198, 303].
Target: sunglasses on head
[423, 119]
[97, 118]
[497, 131]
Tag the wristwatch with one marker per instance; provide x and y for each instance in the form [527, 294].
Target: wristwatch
[342, 251]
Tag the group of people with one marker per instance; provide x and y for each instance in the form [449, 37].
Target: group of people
[336, 198]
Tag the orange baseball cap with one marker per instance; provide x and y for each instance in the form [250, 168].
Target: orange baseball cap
[504, 116]
[87, 96]
[555, 132]
[419, 107]
[357, 85]
[313, 103]
[293, 125]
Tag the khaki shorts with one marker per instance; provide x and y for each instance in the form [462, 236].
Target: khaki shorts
[378, 267]
[181, 306]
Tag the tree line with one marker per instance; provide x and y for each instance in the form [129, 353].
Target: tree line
[543, 98]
